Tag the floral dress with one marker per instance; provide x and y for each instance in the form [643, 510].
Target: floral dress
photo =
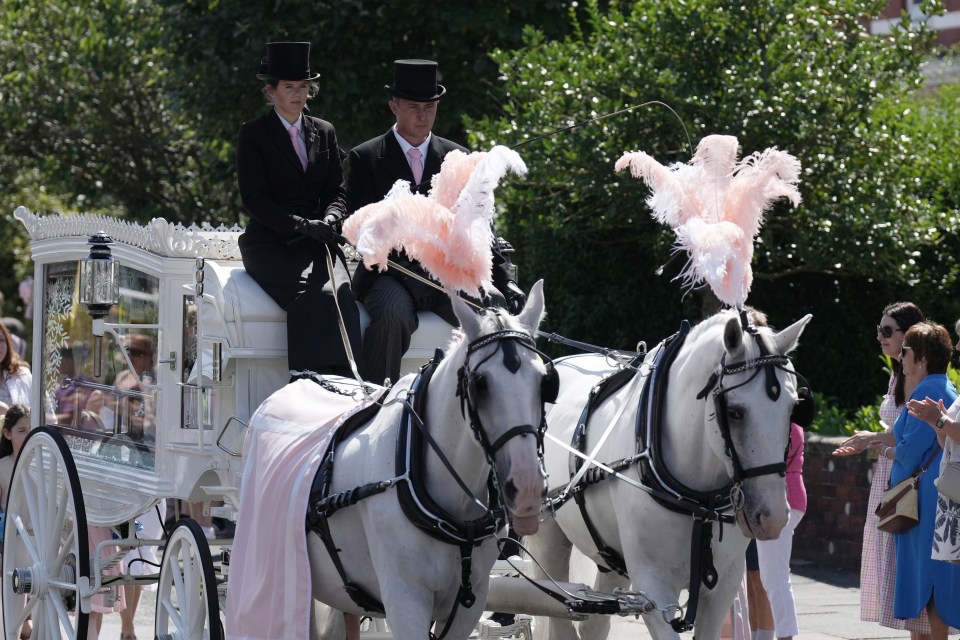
[946, 532]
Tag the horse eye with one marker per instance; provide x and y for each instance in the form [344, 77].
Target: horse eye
[735, 413]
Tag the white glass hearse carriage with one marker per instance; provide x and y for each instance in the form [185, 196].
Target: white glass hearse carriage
[153, 407]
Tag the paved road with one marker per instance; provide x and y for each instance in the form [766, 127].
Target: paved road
[828, 607]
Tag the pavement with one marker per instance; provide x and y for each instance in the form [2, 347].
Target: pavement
[828, 607]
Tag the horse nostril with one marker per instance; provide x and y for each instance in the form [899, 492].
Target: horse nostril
[510, 491]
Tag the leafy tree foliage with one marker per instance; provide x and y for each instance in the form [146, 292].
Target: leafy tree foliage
[802, 76]
[84, 101]
[217, 45]
[131, 107]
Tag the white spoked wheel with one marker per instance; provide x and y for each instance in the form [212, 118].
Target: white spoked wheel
[46, 563]
[187, 604]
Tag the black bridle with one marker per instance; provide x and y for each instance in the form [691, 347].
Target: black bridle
[767, 363]
[471, 383]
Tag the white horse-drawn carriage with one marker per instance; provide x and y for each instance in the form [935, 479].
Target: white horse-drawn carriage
[188, 352]
[152, 394]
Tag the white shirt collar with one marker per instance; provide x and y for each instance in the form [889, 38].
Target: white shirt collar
[406, 146]
[298, 123]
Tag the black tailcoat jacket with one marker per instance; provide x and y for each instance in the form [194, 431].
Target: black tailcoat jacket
[273, 186]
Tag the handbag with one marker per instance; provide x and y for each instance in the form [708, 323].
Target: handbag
[899, 510]
[949, 482]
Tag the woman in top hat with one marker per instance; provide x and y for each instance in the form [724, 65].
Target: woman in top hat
[288, 169]
[407, 151]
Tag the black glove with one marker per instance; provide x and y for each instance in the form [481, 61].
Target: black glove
[516, 298]
[315, 229]
[334, 223]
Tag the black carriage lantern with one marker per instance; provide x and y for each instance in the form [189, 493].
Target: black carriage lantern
[99, 288]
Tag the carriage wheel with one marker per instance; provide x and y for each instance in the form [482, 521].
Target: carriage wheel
[46, 562]
[187, 604]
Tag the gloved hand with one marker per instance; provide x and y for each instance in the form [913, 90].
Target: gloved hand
[333, 222]
[515, 296]
[316, 229]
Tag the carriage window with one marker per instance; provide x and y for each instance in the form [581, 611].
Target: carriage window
[111, 416]
[196, 400]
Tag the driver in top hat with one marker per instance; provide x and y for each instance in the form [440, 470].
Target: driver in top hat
[409, 151]
[290, 178]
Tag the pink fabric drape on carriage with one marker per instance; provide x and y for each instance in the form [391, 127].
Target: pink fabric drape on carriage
[269, 594]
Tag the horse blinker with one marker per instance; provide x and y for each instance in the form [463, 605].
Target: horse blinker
[550, 387]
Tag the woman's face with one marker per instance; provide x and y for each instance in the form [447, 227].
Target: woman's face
[889, 345]
[913, 370]
[18, 433]
[289, 97]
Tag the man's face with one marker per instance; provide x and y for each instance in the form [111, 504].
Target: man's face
[414, 119]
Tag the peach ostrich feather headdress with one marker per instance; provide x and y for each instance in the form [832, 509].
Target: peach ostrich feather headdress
[447, 231]
[715, 205]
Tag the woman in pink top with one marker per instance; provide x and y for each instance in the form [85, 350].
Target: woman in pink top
[774, 555]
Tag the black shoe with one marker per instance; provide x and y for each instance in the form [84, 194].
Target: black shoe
[503, 619]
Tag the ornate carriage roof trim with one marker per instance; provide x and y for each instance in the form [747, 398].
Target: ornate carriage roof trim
[163, 238]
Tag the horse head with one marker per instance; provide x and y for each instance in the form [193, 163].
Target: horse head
[754, 397]
[747, 395]
[503, 384]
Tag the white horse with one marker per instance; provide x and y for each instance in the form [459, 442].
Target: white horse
[718, 418]
[424, 547]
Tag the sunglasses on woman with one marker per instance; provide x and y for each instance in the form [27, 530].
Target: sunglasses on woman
[886, 331]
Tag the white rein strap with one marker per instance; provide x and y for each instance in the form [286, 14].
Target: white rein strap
[591, 460]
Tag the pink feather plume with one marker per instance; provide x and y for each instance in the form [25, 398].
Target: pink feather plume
[449, 230]
[715, 205]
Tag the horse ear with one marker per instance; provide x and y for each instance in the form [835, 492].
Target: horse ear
[533, 311]
[787, 339]
[469, 322]
[733, 334]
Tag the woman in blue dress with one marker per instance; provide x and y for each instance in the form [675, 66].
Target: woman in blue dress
[921, 582]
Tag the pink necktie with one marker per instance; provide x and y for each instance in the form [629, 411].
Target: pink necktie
[295, 140]
[415, 165]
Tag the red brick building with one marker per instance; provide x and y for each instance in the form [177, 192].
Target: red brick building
[947, 25]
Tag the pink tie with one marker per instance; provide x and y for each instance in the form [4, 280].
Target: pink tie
[415, 165]
[295, 140]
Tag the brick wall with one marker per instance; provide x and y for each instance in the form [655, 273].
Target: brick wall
[831, 533]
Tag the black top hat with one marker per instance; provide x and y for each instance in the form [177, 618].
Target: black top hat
[415, 80]
[286, 61]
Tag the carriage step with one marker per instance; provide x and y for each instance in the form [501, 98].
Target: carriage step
[521, 629]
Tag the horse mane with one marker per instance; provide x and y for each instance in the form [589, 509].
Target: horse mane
[492, 319]
[758, 319]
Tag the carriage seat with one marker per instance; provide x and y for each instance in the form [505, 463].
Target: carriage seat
[252, 320]
[250, 317]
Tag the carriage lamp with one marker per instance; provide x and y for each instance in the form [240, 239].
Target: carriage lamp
[99, 288]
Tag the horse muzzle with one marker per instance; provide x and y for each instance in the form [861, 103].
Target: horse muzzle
[762, 524]
[523, 506]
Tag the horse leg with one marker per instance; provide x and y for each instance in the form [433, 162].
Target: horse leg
[551, 549]
[715, 603]
[598, 627]
[326, 623]
[408, 613]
